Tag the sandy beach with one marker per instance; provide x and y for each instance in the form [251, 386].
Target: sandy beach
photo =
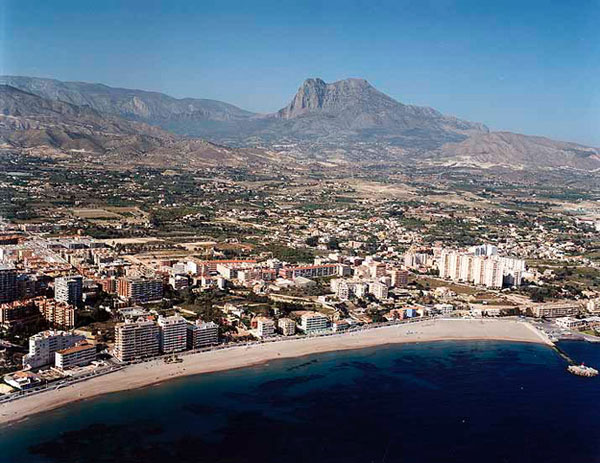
[147, 373]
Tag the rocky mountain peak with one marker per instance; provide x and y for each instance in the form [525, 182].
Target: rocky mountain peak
[317, 95]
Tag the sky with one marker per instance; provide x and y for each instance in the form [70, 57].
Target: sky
[526, 66]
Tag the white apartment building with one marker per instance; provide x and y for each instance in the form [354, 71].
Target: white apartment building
[484, 268]
[484, 250]
[343, 291]
[314, 322]
[173, 334]
[82, 353]
[265, 327]
[466, 268]
[346, 289]
[478, 270]
[202, 334]
[227, 271]
[414, 260]
[444, 309]
[570, 323]
[493, 273]
[192, 267]
[454, 266]
[287, 326]
[136, 340]
[379, 290]
[360, 289]
[44, 345]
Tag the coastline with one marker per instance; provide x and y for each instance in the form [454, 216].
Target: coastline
[156, 371]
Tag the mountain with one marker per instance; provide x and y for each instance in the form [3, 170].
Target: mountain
[344, 121]
[354, 104]
[127, 103]
[515, 150]
[36, 125]
[350, 110]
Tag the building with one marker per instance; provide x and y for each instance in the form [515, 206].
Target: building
[416, 260]
[310, 271]
[377, 269]
[340, 325]
[82, 353]
[210, 266]
[570, 323]
[493, 273]
[379, 290]
[399, 277]
[69, 289]
[314, 322]
[140, 289]
[18, 313]
[173, 334]
[8, 283]
[553, 310]
[28, 286]
[23, 380]
[343, 291]
[286, 326]
[481, 266]
[201, 334]
[484, 250]
[444, 309]
[58, 314]
[109, 285]
[136, 339]
[593, 305]
[179, 282]
[44, 345]
[265, 327]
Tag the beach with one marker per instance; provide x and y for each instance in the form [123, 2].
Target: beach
[153, 372]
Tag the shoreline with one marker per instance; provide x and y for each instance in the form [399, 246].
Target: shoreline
[156, 372]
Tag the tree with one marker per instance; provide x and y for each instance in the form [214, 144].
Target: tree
[312, 241]
[100, 315]
[333, 244]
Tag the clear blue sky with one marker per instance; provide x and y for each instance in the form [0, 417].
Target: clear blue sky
[525, 66]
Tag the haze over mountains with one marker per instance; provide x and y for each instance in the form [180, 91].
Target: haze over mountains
[344, 121]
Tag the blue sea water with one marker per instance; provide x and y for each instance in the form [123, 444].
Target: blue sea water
[433, 402]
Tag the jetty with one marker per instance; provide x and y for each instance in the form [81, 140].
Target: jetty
[574, 368]
[582, 370]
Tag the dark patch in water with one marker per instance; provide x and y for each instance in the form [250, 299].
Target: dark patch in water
[364, 366]
[282, 384]
[302, 365]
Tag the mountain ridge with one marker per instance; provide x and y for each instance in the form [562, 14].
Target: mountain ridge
[348, 118]
[56, 128]
[125, 102]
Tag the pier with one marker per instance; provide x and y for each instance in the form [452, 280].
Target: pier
[574, 368]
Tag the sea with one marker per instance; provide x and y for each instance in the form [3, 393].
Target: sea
[432, 402]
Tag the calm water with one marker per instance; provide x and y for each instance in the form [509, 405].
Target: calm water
[436, 402]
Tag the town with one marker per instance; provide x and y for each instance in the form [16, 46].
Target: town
[86, 289]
